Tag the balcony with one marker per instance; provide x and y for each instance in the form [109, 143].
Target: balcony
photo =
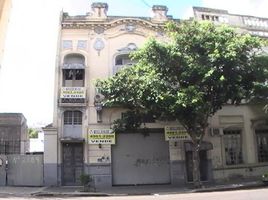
[72, 132]
[72, 97]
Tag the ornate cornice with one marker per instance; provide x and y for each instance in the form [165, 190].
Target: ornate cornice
[105, 25]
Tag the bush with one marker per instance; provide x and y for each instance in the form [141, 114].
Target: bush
[265, 177]
[86, 180]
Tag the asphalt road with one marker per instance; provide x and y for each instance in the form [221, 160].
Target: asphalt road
[253, 194]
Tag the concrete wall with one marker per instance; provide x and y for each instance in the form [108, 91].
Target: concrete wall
[50, 157]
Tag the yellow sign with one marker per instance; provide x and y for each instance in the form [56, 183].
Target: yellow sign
[175, 133]
[101, 136]
[73, 93]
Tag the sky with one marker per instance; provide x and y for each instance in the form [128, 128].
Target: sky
[27, 73]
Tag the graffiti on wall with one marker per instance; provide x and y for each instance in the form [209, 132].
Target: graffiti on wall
[155, 161]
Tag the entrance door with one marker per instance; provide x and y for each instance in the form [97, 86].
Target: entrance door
[72, 159]
[203, 165]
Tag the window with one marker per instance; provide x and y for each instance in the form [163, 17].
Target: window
[232, 147]
[262, 145]
[72, 118]
[122, 61]
[73, 77]
[73, 74]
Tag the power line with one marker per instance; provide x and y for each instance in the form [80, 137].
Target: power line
[148, 5]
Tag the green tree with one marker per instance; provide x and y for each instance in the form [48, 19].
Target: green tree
[189, 77]
[32, 133]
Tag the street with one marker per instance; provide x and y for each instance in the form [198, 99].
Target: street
[256, 194]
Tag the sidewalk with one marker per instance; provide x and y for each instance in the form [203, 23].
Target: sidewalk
[121, 190]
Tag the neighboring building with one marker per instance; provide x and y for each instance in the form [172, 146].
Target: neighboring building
[246, 24]
[13, 134]
[5, 7]
[80, 141]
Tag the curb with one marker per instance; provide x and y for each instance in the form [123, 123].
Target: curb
[74, 194]
[218, 188]
[232, 187]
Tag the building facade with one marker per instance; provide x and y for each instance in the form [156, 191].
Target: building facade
[13, 134]
[80, 139]
[5, 7]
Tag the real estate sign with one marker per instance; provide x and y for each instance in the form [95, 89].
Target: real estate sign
[175, 133]
[101, 136]
[73, 93]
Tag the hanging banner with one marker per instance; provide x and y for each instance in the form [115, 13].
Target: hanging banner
[73, 93]
[175, 133]
[101, 136]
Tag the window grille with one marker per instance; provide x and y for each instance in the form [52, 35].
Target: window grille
[10, 147]
[232, 147]
[262, 145]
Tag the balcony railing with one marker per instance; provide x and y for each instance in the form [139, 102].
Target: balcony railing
[72, 131]
[72, 96]
[73, 66]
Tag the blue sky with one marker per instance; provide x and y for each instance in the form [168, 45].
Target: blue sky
[27, 73]
[177, 8]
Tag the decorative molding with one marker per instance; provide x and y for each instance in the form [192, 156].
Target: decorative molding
[130, 47]
[99, 26]
[99, 30]
[130, 27]
[99, 45]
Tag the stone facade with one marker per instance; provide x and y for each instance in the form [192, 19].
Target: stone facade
[95, 46]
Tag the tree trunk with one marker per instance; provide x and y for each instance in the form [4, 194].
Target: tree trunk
[196, 163]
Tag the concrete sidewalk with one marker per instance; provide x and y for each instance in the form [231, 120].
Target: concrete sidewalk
[121, 190]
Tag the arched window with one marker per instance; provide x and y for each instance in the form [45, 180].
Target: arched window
[122, 60]
[74, 61]
[73, 70]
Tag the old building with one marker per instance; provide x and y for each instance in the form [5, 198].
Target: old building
[5, 7]
[80, 139]
[13, 134]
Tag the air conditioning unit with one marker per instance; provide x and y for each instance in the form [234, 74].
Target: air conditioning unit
[98, 98]
[215, 131]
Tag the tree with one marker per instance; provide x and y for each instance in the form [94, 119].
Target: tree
[200, 68]
[32, 133]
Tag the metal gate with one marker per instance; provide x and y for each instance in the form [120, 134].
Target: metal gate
[24, 170]
[140, 159]
[3, 174]
[72, 163]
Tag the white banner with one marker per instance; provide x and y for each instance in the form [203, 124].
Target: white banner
[73, 93]
[101, 136]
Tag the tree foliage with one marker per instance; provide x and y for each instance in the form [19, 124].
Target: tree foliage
[32, 133]
[189, 77]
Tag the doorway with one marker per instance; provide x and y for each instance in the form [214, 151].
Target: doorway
[72, 161]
